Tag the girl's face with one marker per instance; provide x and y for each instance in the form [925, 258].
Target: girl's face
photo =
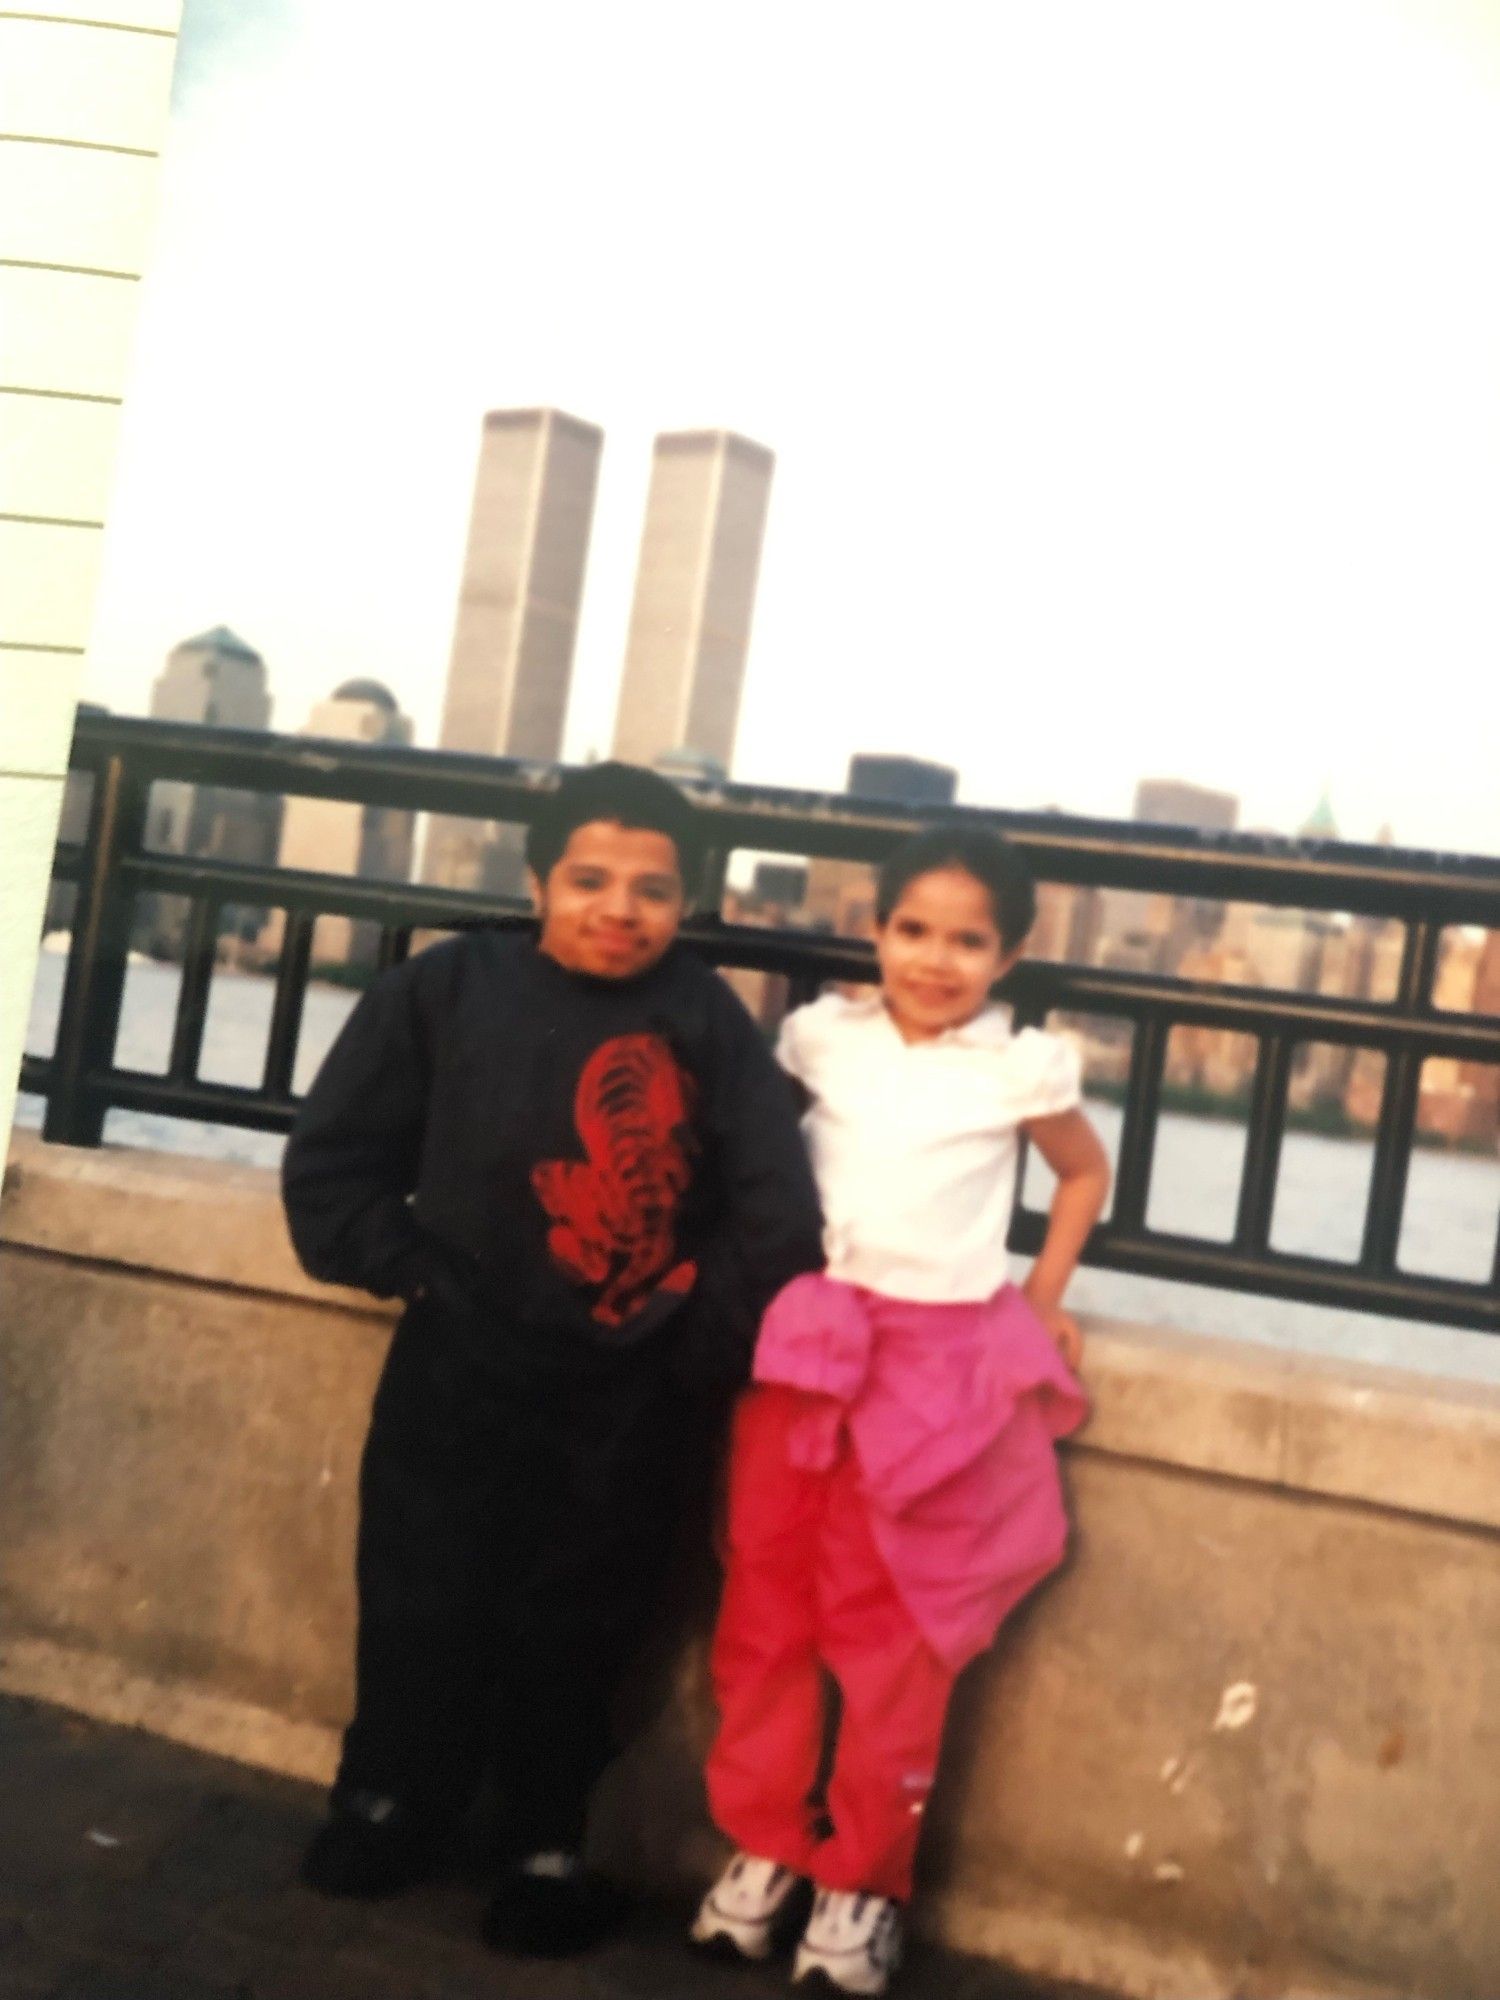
[940, 953]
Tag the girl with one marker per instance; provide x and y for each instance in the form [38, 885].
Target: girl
[893, 1483]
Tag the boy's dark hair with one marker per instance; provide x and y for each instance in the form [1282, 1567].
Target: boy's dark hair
[623, 795]
[988, 857]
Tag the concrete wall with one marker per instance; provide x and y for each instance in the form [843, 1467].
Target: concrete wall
[83, 105]
[1246, 1745]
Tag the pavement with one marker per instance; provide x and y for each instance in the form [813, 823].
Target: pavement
[134, 1869]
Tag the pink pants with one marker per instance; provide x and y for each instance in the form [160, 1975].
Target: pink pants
[807, 1590]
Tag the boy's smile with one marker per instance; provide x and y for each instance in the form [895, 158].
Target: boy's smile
[612, 902]
[940, 953]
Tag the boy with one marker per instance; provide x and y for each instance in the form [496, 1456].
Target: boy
[575, 1160]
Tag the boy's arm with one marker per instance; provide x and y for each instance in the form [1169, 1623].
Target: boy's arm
[1070, 1146]
[771, 1228]
[351, 1161]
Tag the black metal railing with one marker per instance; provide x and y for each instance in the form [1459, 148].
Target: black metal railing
[113, 866]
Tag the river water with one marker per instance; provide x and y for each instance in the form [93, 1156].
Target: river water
[1449, 1225]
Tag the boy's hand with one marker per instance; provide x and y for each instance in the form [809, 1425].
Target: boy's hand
[437, 1275]
[1064, 1330]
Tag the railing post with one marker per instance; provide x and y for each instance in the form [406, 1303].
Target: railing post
[1396, 1130]
[1138, 1124]
[89, 1018]
[1264, 1132]
[199, 950]
[286, 1009]
[712, 876]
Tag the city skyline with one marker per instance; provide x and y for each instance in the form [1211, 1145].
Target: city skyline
[1107, 442]
[1310, 822]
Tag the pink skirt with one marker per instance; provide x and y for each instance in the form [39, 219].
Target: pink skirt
[952, 1412]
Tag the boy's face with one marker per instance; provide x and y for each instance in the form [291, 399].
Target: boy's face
[612, 902]
[940, 952]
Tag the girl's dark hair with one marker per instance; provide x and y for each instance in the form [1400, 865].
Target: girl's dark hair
[987, 856]
[623, 795]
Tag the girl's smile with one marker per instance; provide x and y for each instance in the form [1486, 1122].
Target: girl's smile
[940, 952]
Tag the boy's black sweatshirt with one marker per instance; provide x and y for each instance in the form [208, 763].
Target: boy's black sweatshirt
[589, 1165]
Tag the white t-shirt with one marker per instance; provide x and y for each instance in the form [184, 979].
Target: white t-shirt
[914, 1145]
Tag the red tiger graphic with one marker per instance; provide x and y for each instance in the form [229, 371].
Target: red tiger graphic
[614, 1213]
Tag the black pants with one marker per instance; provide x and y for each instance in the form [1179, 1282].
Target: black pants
[512, 1544]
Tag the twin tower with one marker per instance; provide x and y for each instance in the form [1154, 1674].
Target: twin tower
[518, 608]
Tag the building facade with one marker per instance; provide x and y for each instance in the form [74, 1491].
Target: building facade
[86, 93]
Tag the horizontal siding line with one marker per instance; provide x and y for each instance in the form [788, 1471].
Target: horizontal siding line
[35, 646]
[48, 521]
[67, 270]
[78, 145]
[58, 395]
[80, 21]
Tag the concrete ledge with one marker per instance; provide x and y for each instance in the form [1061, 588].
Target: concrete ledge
[203, 1220]
[1301, 1421]
[1247, 1745]
[1307, 1422]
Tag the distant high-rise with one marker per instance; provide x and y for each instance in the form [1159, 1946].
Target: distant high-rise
[219, 681]
[908, 781]
[1142, 932]
[1174, 802]
[338, 837]
[840, 895]
[694, 596]
[513, 638]
[214, 679]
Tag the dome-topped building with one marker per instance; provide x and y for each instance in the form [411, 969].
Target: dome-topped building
[374, 692]
[335, 836]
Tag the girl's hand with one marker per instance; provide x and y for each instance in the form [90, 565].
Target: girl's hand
[1064, 1330]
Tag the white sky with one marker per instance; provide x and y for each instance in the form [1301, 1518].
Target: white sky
[1133, 370]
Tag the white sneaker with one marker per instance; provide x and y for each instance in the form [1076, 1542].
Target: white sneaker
[743, 1905]
[852, 1943]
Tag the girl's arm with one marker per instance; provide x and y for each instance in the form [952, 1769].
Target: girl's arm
[1070, 1146]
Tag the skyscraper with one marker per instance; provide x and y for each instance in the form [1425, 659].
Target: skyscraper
[898, 780]
[694, 596]
[841, 894]
[219, 681]
[1142, 932]
[513, 637]
[1175, 802]
[339, 837]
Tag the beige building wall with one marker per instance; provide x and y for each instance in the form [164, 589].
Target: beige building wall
[83, 106]
[512, 659]
[694, 596]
